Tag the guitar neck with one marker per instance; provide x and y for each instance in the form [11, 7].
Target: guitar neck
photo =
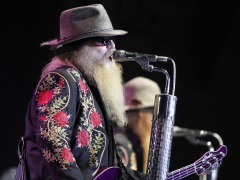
[208, 160]
[181, 173]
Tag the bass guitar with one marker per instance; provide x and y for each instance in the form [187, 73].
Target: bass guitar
[209, 160]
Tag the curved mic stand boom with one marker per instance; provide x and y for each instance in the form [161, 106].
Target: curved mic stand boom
[162, 124]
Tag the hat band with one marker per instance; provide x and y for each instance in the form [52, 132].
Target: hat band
[84, 33]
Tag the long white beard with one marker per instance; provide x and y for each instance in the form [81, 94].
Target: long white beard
[107, 75]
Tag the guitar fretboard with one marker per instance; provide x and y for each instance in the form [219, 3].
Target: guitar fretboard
[181, 173]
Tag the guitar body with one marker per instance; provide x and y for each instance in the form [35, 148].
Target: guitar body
[207, 161]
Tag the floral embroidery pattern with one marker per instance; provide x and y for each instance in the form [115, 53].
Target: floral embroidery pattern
[83, 137]
[52, 97]
[95, 148]
[61, 118]
[83, 86]
[44, 97]
[88, 135]
[67, 154]
[42, 118]
[95, 119]
[60, 83]
[51, 103]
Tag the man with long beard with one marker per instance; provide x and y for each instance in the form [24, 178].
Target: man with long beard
[78, 100]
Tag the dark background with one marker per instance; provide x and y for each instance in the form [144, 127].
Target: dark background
[202, 38]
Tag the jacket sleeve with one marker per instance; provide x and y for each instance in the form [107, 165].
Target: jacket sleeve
[56, 103]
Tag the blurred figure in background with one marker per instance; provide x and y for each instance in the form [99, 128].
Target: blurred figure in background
[125, 150]
[139, 94]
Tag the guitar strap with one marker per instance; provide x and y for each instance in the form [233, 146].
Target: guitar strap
[111, 148]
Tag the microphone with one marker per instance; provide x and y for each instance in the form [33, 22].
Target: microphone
[192, 134]
[124, 56]
[178, 132]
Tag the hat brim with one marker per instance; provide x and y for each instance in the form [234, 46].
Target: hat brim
[57, 43]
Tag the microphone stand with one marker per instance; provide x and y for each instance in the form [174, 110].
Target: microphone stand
[162, 127]
[162, 123]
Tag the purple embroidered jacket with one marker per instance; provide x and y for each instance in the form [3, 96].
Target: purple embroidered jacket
[65, 128]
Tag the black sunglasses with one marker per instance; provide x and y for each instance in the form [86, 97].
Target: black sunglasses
[103, 41]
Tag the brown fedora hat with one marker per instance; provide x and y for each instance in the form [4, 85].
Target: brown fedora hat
[83, 22]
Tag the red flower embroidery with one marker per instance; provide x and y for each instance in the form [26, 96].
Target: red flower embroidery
[44, 96]
[43, 118]
[61, 118]
[83, 137]
[83, 86]
[60, 83]
[95, 119]
[67, 154]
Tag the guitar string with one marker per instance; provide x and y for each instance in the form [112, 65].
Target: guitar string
[198, 164]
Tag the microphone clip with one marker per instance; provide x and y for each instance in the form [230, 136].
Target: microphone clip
[143, 61]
